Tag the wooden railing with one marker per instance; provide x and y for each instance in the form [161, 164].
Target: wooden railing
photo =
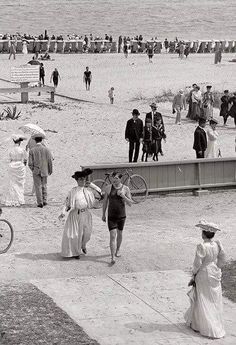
[179, 176]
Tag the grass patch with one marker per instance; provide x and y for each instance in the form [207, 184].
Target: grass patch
[229, 280]
[29, 317]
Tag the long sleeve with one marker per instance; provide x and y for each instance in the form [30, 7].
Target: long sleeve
[66, 206]
[221, 256]
[212, 135]
[199, 256]
[31, 161]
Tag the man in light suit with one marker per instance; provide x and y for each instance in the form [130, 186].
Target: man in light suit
[40, 163]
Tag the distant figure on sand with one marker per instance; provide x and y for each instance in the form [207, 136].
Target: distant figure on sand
[116, 197]
[224, 107]
[125, 49]
[12, 48]
[179, 103]
[55, 77]
[212, 150]
[147, 140]
[218, 56]
[205, 313]
[111, 94]
[150, 52]
[200, 139]
[87, 78]
[134, 135]
[190, 103]
[196, 103]
[78, 226]
[41, 73]
[232, 110]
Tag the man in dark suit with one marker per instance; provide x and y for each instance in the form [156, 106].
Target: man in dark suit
[134, 134]
[40, 163]
[200, 139]
[155, 116]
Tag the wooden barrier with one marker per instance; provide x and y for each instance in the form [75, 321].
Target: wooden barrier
[25, 89]
[187, 175]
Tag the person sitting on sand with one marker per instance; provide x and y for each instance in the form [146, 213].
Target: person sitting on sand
[116, 197]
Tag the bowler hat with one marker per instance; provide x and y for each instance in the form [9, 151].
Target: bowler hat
[81, 174]
[135, 112]
[208, 86]
[153, 105]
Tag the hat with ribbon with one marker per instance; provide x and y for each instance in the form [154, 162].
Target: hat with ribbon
[82, 174]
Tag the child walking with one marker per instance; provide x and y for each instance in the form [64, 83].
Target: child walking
[111, 94]
[147, 139]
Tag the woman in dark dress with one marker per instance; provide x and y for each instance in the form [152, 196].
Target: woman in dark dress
[224, 108]
[116, 196]
[55, 77]
[232, 111]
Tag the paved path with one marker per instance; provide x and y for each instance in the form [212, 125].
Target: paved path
[141, 308]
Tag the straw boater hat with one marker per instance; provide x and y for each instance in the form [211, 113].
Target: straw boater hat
[208, 226]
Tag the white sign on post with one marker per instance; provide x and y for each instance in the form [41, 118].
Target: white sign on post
[25, 74]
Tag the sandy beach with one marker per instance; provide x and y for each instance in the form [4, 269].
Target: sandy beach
[92, 132]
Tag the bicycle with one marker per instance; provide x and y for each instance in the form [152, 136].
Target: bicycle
[6, 234]
[136, 183]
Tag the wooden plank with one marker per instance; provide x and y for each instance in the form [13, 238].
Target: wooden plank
[28, 89]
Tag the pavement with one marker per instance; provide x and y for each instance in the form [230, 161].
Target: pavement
[134, 308]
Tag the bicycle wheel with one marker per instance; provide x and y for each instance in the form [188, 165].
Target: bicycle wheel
[138, 188]
[102, 185]
[6, 235]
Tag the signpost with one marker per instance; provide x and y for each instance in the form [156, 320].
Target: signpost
[24, 75]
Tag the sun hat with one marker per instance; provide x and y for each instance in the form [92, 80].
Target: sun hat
[83, 173]
[208, 226]
[135, 112]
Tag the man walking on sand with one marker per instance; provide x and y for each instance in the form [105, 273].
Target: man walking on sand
[200, 139]
[179, 103]
[40, 163]
[133, 135]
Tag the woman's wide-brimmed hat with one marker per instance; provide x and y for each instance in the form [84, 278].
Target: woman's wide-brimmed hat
[208, 226]
[82, 174]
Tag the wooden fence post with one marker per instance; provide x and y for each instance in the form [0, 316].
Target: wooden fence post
[24, 95]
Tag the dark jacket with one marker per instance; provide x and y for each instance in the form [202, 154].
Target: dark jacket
[200, 140]
[134, 130]
[157, 116]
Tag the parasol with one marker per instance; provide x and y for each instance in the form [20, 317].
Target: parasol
[32, 129]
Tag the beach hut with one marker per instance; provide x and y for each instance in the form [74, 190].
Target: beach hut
[44, 46]
[98, 45]
[209, 47]
[202, 47]
[67, 47]
[19, 46]
[172, 46]
[37, 46]
[142, 47]
[195, 47]
[5, 48]
[60, 46]
[80, 46]
[1, 46]
[157, 47]
[91, 47]
[113, 47]
[30, 46]
[52, 46]
[134, 46]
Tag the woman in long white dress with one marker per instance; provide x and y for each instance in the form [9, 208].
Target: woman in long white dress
[14, 195]
[212, 150]
[205, 312]
[24, 47]
[78, 225]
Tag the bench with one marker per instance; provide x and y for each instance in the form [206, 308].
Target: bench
[25, 89]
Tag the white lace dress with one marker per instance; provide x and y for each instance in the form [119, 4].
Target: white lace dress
[212, 144]
[14, 194]
[205, 312]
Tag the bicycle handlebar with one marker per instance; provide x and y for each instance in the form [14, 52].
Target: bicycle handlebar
[120, 172]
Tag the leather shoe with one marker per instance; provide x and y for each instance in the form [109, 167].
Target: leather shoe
[84, 250]
[40, 205]
[45, 203]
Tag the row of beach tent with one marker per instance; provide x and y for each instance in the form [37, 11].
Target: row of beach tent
[103, 46]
